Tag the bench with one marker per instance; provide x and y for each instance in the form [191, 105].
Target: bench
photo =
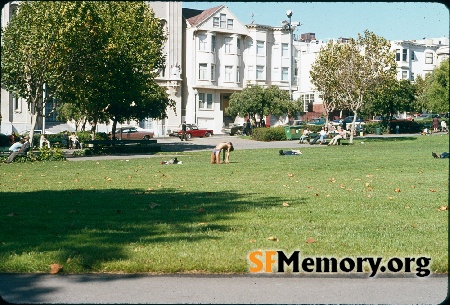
[4, 150]
[123, 145]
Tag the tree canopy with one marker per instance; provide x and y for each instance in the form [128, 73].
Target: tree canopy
[344, 72]
[433, 90]
[257, 100]
[102, 57]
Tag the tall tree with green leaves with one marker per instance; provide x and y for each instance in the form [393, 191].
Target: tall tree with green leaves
[257, 100]
[434, 95]
[28, 53]
[390, 97]
[355, 67]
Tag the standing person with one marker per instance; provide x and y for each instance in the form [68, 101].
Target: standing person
[435, 123]
[22, 151]
[183, 131]
[248, 127]
[263, 123]
[444, 126]
[226, 147]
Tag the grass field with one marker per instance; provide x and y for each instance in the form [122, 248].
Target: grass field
[377, 198]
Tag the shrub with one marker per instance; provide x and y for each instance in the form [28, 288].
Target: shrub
[269, 134]
[4, 140]
[50, 154]
[405, 127]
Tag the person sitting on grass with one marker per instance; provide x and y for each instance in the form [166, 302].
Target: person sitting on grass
[22, 151]
[441, 156]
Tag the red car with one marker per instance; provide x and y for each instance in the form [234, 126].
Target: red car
[193, 131]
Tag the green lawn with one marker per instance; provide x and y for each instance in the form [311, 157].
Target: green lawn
[377, 198]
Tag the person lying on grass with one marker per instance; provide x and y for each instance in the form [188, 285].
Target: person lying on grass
[441, 156]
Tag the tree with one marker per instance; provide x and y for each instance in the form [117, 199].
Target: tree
[119, 63]
[354, 67]
[102, 57]
[256, 100]
[434, 95]
[28, 53]
[390, 97]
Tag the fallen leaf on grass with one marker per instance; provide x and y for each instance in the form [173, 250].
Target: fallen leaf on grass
[273, 238]
[369, 176]
[443, 208]
[153, 205]
[55, 268]
[332, 180]
[433, 190]
[286, 204]
[397, 190]
[252, 241]
[310, 240]
[290, 175]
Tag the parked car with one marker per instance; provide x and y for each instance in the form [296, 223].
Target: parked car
[193, 131]
[296, 123]
[233, 129]
[349, 120]
[425, 116]
[317, 121]
[134, 133]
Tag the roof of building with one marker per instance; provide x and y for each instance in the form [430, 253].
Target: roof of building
[195, 17]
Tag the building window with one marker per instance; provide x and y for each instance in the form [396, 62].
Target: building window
[404, 74]
[284, 74]
[223, 20]
[230, 24]
[202, 72]
[428, 58]
[238, 74]
[284, 50]
[405, 55]
[16, 104]
[213, 43]
[216, 22]
[412, 77]
[260, 50]
[412, 55]
[202, 42]
[397, 55]
[213, 72]
[308, 101]
[260, 73]
[228, 45]
[238, 44]
[228, 73]
[205, 101]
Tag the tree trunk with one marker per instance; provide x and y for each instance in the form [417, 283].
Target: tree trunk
[113, 130]
[353, 126]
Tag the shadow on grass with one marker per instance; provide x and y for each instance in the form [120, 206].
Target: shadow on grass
[96, 226]
[184, 147]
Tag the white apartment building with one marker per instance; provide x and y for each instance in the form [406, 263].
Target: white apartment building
[414, 58]
[222, 56]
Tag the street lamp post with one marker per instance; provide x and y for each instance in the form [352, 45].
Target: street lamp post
[195, 106]
[289, 25]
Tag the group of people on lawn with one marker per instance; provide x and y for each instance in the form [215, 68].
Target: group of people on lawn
[321, 137]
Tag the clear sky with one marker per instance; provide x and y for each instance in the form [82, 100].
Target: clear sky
[391, 20]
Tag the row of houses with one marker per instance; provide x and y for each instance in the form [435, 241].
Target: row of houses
[210, 55]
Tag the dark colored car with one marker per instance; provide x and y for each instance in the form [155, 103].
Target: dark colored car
[233, 129]
[349, 120]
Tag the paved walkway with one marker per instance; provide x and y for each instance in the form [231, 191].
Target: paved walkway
[173, 144]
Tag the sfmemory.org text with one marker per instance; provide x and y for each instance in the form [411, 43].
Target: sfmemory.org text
[264, 261]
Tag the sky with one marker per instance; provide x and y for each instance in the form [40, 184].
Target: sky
[391, 20]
